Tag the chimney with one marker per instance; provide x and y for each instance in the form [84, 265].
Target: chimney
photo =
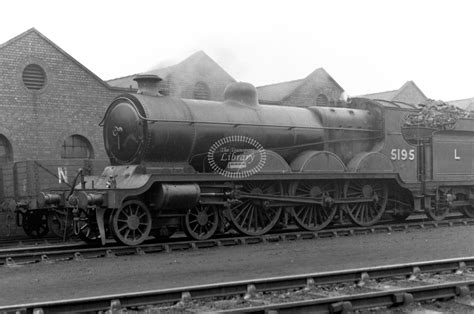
[148, 84]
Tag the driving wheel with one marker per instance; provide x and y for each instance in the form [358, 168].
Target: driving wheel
[314, 217]
[366, 213]
[253, 216]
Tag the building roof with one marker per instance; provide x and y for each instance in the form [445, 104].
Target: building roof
[196, 58]
[466, 104]
[279, 91]
[393, 94]
[388, 95]
[46, 39]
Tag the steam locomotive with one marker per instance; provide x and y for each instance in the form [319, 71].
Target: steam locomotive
[205, 166]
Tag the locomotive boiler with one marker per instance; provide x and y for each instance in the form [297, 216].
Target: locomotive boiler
[207, 166]
[146, 129]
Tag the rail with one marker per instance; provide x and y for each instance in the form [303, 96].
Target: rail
[80, 250]
[250, 287]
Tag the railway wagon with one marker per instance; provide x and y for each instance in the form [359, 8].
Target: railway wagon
[205, 166]
[22, 181]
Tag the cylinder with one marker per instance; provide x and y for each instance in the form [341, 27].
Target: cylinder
[177, 196]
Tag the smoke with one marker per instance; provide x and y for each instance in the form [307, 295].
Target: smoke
[164, 63]
[230, 62]
[171, 57]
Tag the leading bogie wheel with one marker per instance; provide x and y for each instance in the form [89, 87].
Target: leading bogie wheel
[131, 223]
[314, 217]
[254, 216]
[200, 222]
[369, 212]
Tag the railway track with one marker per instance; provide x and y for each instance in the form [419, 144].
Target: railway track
[329, 292]
[24, 241]
[80, 250]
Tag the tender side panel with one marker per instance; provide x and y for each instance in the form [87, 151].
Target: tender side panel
[453, 154]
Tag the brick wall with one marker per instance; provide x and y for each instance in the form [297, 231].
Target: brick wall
[201, 69]
[72, 102]
[319, 82]
[410, 94]
[180, 79]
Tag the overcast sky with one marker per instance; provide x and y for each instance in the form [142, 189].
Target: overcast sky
[366, 46]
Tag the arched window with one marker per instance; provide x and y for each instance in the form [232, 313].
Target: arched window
[322, 100]
[77, 146]
[6, 152]
[201, 91]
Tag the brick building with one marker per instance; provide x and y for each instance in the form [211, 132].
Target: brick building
[317, 89]
[408, 93]
[51, 105]
[196, 77]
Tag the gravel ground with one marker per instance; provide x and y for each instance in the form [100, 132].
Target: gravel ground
[72, 279]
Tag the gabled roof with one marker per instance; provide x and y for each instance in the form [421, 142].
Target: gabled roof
[321, 72]
[198, 57]
[46, 39]
[279, 91]
[466, 104]
[388, 95]
[392, 95]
